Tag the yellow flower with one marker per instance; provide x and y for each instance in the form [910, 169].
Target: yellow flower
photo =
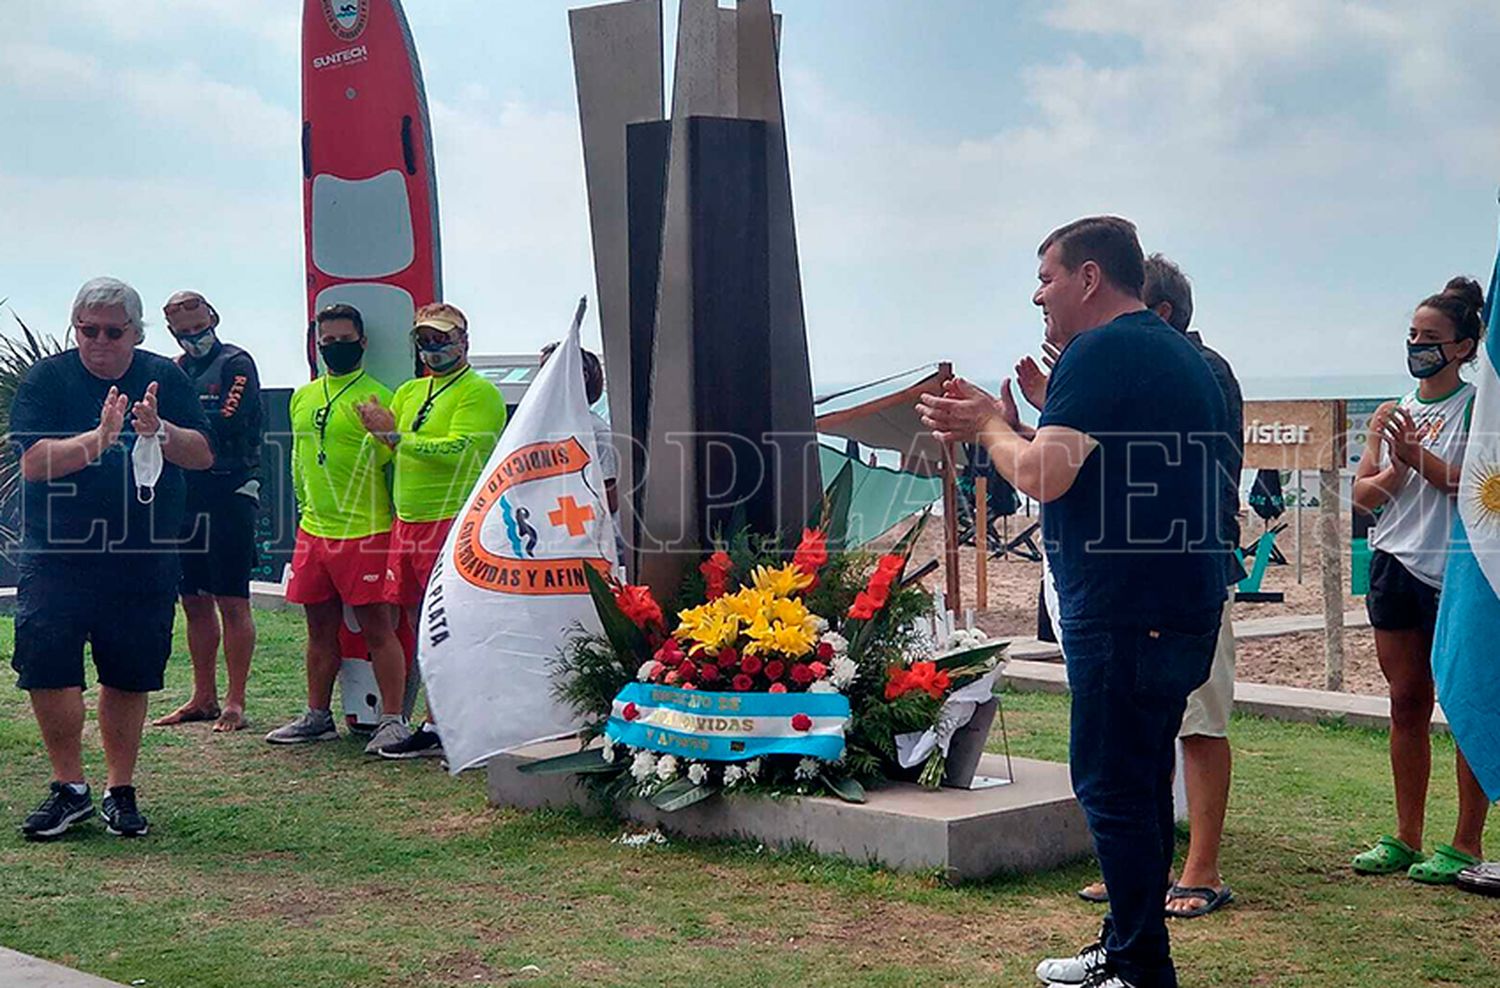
[746, 604]
[718, 632]
[782, 581]
[787, 611]
[792, 641]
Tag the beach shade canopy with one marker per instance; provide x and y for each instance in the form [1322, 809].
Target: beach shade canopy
[881, 497]
[883, 415]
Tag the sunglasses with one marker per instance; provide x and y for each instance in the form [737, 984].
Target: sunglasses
[113, 332]
[186, 305]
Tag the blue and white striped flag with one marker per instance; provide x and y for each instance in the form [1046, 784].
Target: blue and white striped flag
[1465, 660]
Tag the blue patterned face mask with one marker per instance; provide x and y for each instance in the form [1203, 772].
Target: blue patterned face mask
[198, 345]
[1426, 359]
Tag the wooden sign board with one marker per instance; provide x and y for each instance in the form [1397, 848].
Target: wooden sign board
[1294, 435]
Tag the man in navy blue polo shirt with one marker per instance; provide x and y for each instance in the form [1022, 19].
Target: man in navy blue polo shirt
[1125, 458]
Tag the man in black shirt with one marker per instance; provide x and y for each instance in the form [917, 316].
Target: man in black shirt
[1124, 458]
[218, 535]
[106, 431]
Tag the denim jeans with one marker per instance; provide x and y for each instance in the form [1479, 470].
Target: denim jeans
[1130, 687]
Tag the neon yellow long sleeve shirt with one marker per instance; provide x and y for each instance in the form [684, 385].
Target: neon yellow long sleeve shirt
[440, 458]
[338, 467]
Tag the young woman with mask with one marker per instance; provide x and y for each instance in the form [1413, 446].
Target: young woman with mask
[1410, 471]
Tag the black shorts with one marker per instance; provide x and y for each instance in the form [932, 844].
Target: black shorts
[1397, 600]
[218, 548]
[130, 635]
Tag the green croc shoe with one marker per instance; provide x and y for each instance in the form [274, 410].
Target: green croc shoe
[1443, 867]
[1387, 857]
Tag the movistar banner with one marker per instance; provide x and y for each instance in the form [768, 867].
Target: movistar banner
[729, 727]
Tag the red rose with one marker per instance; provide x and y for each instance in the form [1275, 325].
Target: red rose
[802, 674]
[742, 682]
[728, 656]
[687, 671]
[778, 688]
[657, 670]
[631, 712]
[688, 686]
[819, 670]
[708, 673]
[774, 669]
[801, 722]
[670, 652]
[751, 664]
[825, 651]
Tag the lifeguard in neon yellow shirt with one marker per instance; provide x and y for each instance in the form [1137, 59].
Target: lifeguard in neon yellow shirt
[441, 430]
[343, 532]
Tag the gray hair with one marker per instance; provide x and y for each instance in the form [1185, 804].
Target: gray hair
[1165, 282]
[103, 293]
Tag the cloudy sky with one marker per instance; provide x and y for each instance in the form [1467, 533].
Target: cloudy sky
[1317, 166]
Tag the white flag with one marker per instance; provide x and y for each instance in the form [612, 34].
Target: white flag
[509, 587]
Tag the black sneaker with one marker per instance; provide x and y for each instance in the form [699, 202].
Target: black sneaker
[60, 810]
[121, 817]
[424, 742]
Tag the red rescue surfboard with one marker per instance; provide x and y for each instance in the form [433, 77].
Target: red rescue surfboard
[369, 191]
[369, 211]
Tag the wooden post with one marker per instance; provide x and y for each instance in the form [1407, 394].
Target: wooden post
[1330, 546]
[950, 512]
[982, 542]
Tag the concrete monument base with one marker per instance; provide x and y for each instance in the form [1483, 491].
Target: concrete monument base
[1031, 825]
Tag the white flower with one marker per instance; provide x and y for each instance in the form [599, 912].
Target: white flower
[808, 769]
[752, 768]
[697, 773]
[733, 775]
[839, 643]
[822, 686]
[820, 625]
[643, 674]
[607, 752]
[844, 671]
[666, 768]
[643, 766]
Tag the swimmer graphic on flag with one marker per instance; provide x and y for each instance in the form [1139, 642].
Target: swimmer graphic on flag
[509, 587]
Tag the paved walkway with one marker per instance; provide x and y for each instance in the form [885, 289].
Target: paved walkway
[1272, 702]
[1266, 627]
[21, 971]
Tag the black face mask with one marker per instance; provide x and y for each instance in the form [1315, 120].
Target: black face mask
[342, 356]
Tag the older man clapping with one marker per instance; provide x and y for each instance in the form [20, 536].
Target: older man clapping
[106, 430]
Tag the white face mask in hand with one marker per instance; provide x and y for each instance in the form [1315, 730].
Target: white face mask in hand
[146, 462]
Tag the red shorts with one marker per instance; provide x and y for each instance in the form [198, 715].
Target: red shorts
[415, 546]
[350, 570]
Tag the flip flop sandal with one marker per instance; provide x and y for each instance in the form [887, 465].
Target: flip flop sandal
[1443, 867]
[1213, 900]
[1387, 857]
[1087, 894]
[1481, 879]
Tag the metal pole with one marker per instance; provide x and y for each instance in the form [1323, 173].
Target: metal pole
[1301, 496]
[1330, 546]
[982, 542]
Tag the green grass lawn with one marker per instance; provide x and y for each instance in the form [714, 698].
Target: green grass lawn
[269, 868]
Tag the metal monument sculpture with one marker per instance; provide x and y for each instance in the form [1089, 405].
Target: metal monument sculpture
[699, 287]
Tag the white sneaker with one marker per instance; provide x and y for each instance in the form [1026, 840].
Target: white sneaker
[392, 731]
[1075, 970]
[311, 725]
[1098, 980]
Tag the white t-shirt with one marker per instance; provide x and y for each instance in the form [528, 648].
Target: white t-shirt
[609, 457]
[1415, 526]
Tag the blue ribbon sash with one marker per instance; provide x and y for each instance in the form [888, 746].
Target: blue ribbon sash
[729, 727]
